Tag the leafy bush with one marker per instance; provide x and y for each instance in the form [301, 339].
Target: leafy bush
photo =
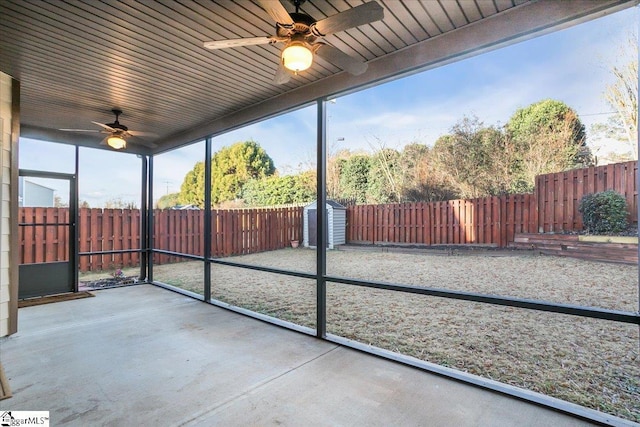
[604, 212]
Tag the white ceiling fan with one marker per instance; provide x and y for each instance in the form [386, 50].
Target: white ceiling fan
[118, 134]
[300, 33]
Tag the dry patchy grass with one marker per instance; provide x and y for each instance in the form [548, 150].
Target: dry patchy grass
[591, 362]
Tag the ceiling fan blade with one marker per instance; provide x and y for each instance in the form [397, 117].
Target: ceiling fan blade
[282, 75]
[247, 41]
[138, 133]
[107, 127]
[359, 15]
[276, 10]
[341, 59]
[80, 130]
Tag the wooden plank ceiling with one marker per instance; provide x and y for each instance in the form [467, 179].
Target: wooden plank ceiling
[78, 59]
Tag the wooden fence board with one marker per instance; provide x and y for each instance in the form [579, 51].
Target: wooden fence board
[494, 220]
[233, 233]
[95, 236]
[84, 244]
[490, 220]
[39, 234]
[559, 194]
[50, 245]
[481, 226]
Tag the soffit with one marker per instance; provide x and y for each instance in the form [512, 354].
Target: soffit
[78, 59]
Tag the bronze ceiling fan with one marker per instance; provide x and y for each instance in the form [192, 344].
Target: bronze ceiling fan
[117, 134]
[300, 33]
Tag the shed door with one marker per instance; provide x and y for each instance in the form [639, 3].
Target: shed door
[312, 222]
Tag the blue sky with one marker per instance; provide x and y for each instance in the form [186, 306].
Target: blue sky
[571, 65]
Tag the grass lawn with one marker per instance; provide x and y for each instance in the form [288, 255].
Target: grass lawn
[590, 362]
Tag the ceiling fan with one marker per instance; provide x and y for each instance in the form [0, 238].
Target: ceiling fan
[117, 133]
[300, 32]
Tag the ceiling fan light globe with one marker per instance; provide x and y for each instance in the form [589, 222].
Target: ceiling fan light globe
[116, 142]
[297, 57]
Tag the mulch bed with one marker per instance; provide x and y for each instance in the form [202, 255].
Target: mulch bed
[110, 282]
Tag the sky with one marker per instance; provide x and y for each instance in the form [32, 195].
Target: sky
[572, 65]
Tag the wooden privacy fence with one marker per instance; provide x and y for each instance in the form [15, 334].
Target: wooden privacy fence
[233, 232]
[108, 230]
[43, 243]
[559, 194]
[99, 230]
[494, 220]
[489, 220]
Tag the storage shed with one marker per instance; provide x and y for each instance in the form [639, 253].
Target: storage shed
[336, 220]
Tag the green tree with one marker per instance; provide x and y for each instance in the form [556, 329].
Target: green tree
[547, 137]
[231, 168]
[168, 201]
[192, 188]
[280, 190]
[354, 177]
[385, 177]
[545, 116]
[335, 162]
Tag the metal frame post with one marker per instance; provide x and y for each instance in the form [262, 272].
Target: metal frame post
[149, 229]
[14, 256]
[207, 219]
[74, 215]
[638, 174]
[144, 209]
[321, 248]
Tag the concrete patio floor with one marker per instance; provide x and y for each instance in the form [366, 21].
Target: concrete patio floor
[143, 355]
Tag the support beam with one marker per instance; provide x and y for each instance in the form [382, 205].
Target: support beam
[144, 212]
[207, 219]
[149, 247]
[74, 216]
[14, 254]
[638, 151]
[321, 226]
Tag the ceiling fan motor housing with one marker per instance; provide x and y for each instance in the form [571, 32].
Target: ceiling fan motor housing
[301, 25]
[116, 124]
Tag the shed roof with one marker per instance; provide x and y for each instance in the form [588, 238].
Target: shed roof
[330, 203]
